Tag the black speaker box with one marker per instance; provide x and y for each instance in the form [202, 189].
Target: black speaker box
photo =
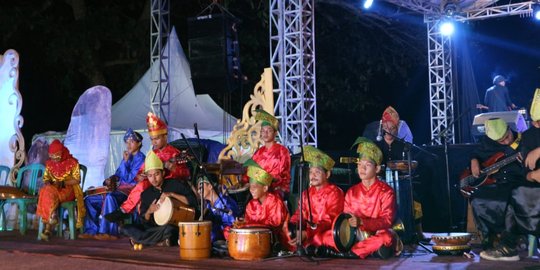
[214, 54]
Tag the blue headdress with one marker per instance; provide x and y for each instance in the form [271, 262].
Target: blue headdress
[130, 134]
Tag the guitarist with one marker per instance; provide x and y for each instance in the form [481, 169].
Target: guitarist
[523, 210]
[489, 201]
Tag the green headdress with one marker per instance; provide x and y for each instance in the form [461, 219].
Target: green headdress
[267, 119]
[257, 174]
[368, 150]
[495, 128]
[317, 158]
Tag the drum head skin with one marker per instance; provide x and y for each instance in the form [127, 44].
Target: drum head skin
[164, 213]
[251, 230]
[344, 234]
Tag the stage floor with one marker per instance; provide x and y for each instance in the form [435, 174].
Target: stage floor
[25, 252]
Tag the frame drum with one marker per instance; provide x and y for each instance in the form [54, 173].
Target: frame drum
[194, 240]
[344, 234]
[172, 211]
[249, 244]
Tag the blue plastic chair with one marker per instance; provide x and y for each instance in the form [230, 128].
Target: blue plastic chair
[70, 206]
[4, 170]
[36, 171]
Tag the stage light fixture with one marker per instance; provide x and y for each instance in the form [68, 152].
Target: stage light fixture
[446, 27]
[366, 4]
[536, 11]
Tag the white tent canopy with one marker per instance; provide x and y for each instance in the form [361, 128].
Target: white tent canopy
[185, 107]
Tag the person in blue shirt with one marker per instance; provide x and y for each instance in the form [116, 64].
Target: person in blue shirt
[118, 186]
[219, 208]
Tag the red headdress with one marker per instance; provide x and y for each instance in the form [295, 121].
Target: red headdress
[155, 125]
[390, 115]
[66, 162]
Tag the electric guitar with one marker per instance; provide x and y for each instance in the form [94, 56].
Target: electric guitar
[468, 183]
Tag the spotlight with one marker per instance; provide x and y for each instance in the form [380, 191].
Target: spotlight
[536, 11]
[366, 4]
[446, 27]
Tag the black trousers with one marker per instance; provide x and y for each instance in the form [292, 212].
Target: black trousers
[151, 235]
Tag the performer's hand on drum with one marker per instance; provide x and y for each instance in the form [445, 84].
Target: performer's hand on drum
[292, 242]
[475, 167]
[238, 223]
[153, 207]
[354, 221]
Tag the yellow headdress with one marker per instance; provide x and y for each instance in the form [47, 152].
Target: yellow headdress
[535, 106]
[152, 162]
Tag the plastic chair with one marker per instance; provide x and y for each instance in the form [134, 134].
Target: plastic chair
[70, 207]
[36, 170]
[6, 170]
[533, 245]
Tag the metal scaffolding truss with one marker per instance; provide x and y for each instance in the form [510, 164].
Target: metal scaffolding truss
[440, 52]
[292, 51]
[159, 33]
[440, 84]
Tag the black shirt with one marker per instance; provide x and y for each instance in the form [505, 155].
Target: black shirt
[511, 173]
[394, 151]
[530, 140]
[170, 185]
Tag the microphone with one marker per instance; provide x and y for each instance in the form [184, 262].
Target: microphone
[196, 130]
[348, 159]
[379, 132]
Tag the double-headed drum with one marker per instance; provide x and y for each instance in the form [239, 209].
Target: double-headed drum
[248, 244]
[194, 240]
[172, 211]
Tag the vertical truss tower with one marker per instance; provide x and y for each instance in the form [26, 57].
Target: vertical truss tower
[159, 33]
[440, 84]
[292, 58]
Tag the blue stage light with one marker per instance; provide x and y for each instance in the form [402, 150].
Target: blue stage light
[536, 11]
[366, 4]
[447, 28]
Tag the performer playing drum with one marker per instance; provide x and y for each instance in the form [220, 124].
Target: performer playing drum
[371, 205]
[148, 232]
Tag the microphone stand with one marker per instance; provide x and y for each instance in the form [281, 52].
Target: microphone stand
[444, 135]
[205, 173]
[407, 147]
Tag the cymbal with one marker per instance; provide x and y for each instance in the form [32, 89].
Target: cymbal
[401, 165]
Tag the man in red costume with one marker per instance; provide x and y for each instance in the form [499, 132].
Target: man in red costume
[323, 203]
[272, 156]
[157, 129]
[372, 205]
[61, 179]
[265, 209]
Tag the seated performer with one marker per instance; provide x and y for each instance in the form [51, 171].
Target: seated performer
[523, 212]
[148, 232]
[61, 184]
[489, 202]
[372, 205]
[265, 209]
[272, 156]
[157, 129]
[325, 200]
[220, 209]
[119, 185]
